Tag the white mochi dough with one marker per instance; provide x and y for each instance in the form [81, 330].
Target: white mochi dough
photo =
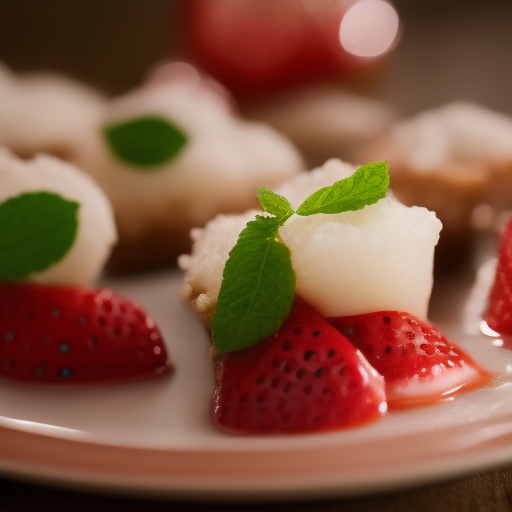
[375, 259]
[96, 228]
[459, 133]
[45, 112]
[218, 170]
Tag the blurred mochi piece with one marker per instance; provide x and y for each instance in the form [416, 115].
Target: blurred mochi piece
[220, 162]
[165, 72]
[45, 112]
[457, 161]
[457, 134]
[325, 121]
[374, 259]
[96, 232]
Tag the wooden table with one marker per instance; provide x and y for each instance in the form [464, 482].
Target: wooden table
[490, 491]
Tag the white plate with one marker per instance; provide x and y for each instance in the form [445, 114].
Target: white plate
[155, 436]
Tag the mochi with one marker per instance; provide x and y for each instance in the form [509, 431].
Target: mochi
[455, 160]
[222, 161]
[96, 228]
[374, 259]
[458, 133]
[45, 112]
[325, 121]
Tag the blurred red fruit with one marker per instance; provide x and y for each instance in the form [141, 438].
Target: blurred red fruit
[265, 46]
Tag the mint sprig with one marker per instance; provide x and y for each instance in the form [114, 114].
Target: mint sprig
[258, 283]
[145, 142]
[275, 204]
[257, 289]
[366, 186]
[36, 231]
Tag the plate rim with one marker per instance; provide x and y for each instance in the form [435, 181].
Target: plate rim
[187, 474]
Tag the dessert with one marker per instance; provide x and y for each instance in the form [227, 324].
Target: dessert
[172, 155]
[59, 334]
[452, 160]
[56, 231]
[45, 113]
[91, 233]
[418, 363]
[362, 263]
[498, 313]
[285, 61]
[307, 377]
[325, 121]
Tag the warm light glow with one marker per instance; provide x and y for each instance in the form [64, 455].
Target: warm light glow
[369, 28]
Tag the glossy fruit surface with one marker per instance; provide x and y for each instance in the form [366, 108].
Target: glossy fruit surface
[63, 334]
[305, 377]
[418, 363]
[499, 307]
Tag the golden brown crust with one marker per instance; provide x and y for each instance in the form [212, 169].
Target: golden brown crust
[204, 313]
[498, 192]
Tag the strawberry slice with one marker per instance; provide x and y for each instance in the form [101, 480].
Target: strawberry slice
[304, 377]
[499, 308]
[418, 363]
[64, 334]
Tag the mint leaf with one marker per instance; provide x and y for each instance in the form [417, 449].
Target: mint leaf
[257, 289]
[275, 204]
[366, 186]
[145, 141]
[258, 284]
[36, 230]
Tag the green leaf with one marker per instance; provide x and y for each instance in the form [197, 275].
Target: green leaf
[257, 289]
[258, 284]
[36, 230]
[145, 141]
[275, 204]
[366, 186]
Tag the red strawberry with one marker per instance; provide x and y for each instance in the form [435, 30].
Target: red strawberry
[418, 363]
[304, 377]
[499, 309]
[57, 334]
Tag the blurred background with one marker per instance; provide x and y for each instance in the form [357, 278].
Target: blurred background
[396, 58]
[449, 49]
